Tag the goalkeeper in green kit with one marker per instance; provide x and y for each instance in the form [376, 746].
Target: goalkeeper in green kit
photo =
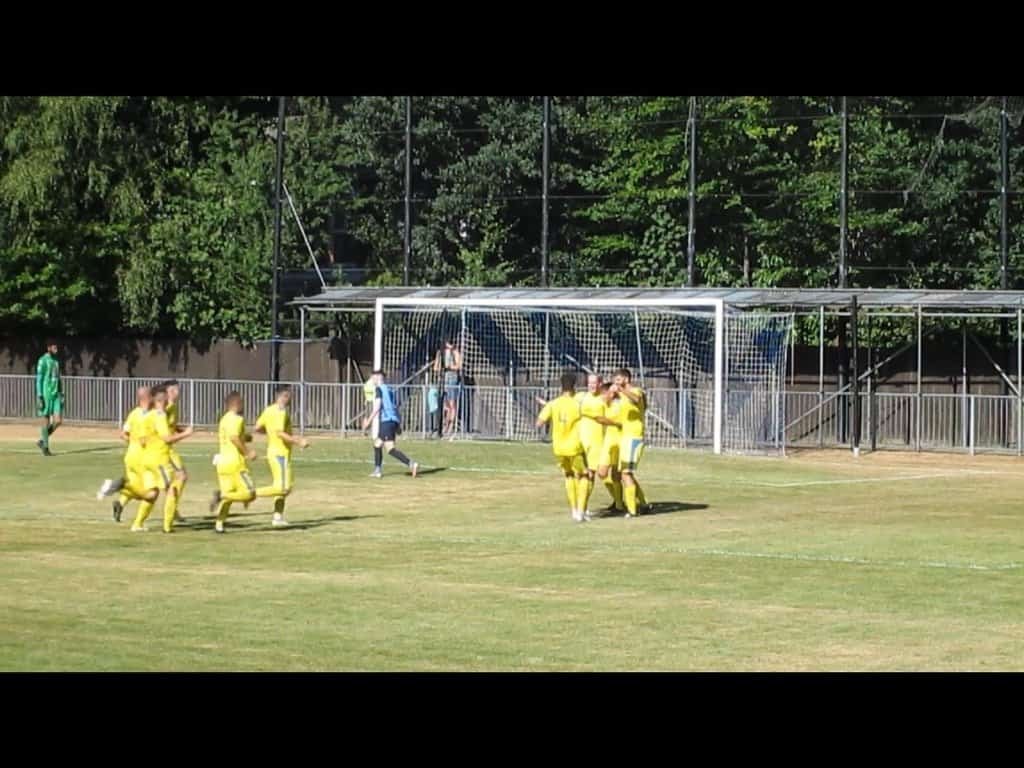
[50, 394]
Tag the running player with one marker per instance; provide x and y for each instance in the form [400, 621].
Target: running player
[234, 483]
[131, 485]
[51, 396]
[277, 425]
[563, 413]
[159, 471]
[386, 422]
[632, 412]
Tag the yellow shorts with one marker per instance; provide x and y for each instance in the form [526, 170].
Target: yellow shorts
[230, 482]
[609, 454]
[281, 471]
[630, 451]
[176, 461]
[592, 455]
[158, 476]
[571, 465]
[134, 475]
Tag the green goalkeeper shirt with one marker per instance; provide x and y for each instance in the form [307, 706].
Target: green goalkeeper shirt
[47, 377]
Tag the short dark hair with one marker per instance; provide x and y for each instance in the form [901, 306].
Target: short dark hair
[281, 388]
[624, 372]
[159, 389]
[169, 383]
[605, 386]
[568, 381]
[231, 396]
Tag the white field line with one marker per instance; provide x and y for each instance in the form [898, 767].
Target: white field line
[886, 479]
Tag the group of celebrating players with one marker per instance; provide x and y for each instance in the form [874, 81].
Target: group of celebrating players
[598, 434]
[153, 466]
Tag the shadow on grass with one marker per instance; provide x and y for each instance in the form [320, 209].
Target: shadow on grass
[233, 524]
[100, 449]
[430, 471]
[667, 507]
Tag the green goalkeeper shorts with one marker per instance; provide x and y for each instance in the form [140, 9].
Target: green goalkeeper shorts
[52, 406]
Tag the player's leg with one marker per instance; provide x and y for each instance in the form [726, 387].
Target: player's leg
[43, 443]
[152, 484]
[178, 482]
[630, 453]
[172, 495]
[389, 434]
[585, 482]
[276, 482]
[565, 464]
[378, 458]
[583, 486]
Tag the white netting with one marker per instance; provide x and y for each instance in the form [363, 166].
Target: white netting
[512, 355]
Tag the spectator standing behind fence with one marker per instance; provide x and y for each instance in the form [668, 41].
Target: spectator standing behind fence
[448, 361]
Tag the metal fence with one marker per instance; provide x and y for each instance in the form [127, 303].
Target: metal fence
[676, 417]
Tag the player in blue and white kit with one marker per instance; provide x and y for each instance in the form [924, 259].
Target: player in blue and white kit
[387, 421]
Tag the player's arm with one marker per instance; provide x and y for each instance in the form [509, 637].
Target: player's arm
[635, 395]
[299, 441]
[40, 378]
[456, 360]
[239, 442]
[373, 413]
[545, 415]
[173, 437]
[603, 420]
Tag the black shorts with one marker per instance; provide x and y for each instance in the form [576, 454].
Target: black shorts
[388, 431]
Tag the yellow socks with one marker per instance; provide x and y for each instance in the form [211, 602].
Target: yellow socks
[144, 509]
[570, 492]
[629, 493]
[614, 488]
[170, 508]
[583, 488]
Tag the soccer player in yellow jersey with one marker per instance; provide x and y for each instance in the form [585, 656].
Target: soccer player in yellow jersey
[608, 464]
[277, 425]
[173, 497]
[131, 485]
[234, 483]
[632, 411]
[159, 471]
[564, 415]
[591, 434]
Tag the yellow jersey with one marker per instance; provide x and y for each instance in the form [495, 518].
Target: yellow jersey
[231, 459]
[276, 420]
[613, 411]
[591, 432]
[172, 416]
[564, 414]
[632, 414]
[157, 451]
[134, 425]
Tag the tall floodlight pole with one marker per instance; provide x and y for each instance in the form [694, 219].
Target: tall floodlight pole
[843, 271]
[278, 181]
[408, 191]
[843, 193]
[691, 248]
[545, 162]
[1004, 230]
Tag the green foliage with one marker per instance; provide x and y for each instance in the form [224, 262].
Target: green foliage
[155, 215]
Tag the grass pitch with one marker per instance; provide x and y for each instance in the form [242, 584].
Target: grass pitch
[813, 562]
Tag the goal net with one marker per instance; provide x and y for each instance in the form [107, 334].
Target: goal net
[713, 377]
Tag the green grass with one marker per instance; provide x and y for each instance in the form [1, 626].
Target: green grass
[812, 563]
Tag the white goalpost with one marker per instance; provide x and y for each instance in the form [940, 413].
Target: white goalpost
[713, 378]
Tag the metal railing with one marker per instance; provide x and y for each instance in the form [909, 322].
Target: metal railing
[676, 417]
